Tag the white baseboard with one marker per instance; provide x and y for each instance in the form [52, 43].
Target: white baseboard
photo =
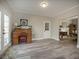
[37, 38]
[56, 39]
[77, 46]
[40, 38]
[45, 38]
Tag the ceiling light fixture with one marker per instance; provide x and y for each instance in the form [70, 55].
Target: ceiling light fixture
[44, 4]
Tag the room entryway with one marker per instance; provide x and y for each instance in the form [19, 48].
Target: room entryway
[68, 30]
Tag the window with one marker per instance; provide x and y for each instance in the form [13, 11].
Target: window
[6, 30]
[0, 30]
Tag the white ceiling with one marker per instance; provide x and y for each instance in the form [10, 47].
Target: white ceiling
[33, 6]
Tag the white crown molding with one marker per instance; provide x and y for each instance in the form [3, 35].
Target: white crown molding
[67, 10]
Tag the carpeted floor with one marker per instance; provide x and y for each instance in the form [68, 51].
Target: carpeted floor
[44, 49]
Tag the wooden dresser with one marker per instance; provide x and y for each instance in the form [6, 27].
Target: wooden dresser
[24, 35]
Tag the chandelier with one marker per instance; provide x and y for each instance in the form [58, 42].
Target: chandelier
[44, 4]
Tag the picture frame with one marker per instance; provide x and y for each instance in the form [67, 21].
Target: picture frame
[23, 22]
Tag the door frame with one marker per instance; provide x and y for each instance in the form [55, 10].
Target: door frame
[48, 34]
[2, 30]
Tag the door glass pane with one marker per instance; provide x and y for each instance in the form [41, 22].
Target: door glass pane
[6, 30]
[46, 26]
[0, 30]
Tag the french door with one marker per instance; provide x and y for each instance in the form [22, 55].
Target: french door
[4, 30]
[6, 33]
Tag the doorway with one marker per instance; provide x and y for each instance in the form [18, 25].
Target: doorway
[68, 30]
[4, 30]
[47, 29]
[6, 33]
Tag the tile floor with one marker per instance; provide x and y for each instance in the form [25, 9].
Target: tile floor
[44, 49]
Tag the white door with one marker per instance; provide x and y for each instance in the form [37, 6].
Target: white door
[6, 32]
[47, 29]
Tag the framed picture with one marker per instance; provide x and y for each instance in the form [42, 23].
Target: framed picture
[23, 22]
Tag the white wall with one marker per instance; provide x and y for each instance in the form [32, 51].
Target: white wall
[5, 9]
[69, 14]
[55, 27]
[37, 23]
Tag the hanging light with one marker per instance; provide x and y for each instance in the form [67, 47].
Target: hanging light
[44, 4]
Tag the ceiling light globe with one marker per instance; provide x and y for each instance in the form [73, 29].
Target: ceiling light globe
[44, 4]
